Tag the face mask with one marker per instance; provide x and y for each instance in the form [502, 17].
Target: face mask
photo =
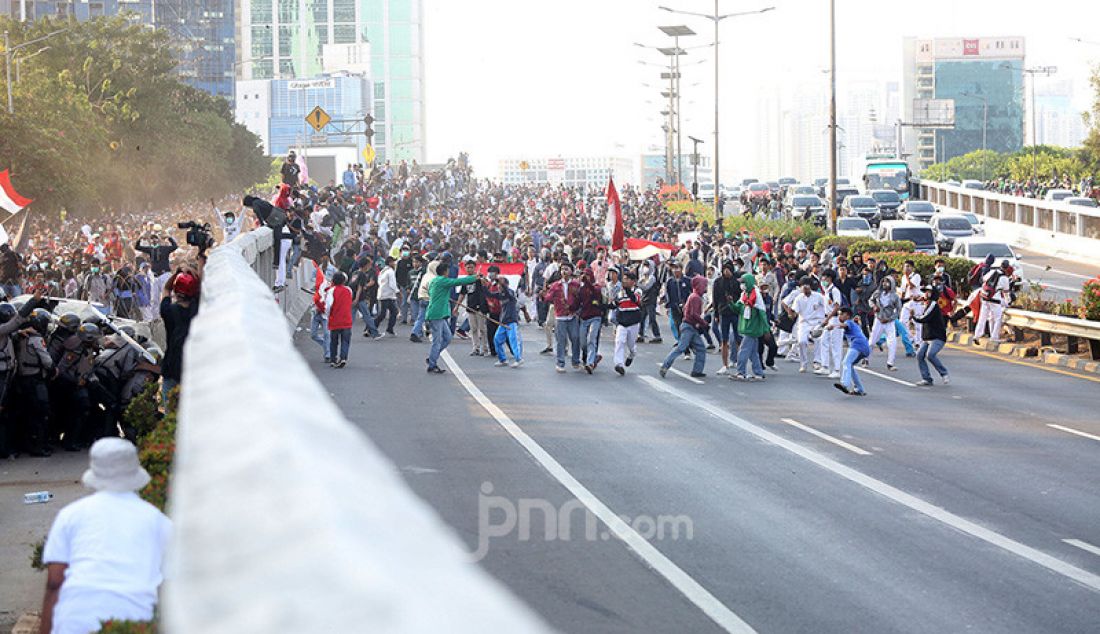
[939, 269]
[95, 269]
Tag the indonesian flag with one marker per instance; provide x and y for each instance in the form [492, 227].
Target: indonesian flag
[613, 227]
[511, 270]
[644, 249]
[10, 200]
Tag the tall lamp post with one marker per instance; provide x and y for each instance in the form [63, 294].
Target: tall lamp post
[716, 18]
[676, 32]
[695, 168]
[9, 50]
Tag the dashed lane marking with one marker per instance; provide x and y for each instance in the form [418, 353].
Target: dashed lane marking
[822, 435]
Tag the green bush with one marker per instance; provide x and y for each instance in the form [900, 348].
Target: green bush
[957, 268]
[1090, 299]
[787, 230]
[36, 554]
[128, 627]
[142, 414]
[844, 242]
[881, 246]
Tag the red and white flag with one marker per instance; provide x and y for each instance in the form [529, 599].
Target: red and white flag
[511, 270]
[613, 226]
[10, 200]
[644, 249]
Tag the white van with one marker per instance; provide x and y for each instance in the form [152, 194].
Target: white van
[919, 233]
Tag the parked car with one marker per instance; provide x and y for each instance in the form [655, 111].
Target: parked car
[807, 208]
[949, 227]
[977, 223]
[888, 202]
[843, 192]
[863, 207]
[916, 210]
[952, 182]
[706, 192]
[972, 184]
[854, 227]
[755, 193]
[798, 190]
[1058, 194]
[919, 233]
[745, 182]
[976, 249]
[1080, 201]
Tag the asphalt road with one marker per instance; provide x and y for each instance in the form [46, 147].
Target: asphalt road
[910, 510]
[1061, 278]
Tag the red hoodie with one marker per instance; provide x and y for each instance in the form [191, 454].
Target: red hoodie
[693, 307]
[339, 308]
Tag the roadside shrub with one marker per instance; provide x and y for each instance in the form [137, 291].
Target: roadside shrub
[786, 230]
[1090, 299]
[128, 627]
[957, 268]
[142, 414]
[881, 246]
[844, 242]
[156, 451]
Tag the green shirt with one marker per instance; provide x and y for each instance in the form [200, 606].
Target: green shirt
[439, 295]
[755, 326]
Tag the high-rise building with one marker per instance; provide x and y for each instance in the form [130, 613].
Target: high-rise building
[287, 39]
[985, 79]
[1059, 123]
[592, 172]
[653, 169]
[202, 31]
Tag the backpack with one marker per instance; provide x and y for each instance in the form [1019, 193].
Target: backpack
[989, 288]
[974, 278]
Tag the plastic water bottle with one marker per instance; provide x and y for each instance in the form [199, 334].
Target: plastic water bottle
[38, 497]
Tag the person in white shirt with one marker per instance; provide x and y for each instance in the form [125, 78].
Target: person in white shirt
[387, 295]
[911, 298]
[105, 552]
[808, 306]
[830, 347]
[994, 298]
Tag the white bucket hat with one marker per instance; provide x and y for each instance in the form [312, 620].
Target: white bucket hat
[114, 466]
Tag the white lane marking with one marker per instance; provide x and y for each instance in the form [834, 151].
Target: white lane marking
[822, 435]
[1083, 546]
[1073, 431]
[686, 376]
[944, 516]
[1068, 289]
[689, 587]
[886, 376]
[1068, 273]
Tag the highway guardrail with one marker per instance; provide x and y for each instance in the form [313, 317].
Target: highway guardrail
[1046, 325]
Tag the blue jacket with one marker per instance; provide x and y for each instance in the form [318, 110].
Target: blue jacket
[677, 292]
[509, 309]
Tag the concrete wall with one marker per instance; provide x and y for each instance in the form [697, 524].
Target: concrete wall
[287, 519]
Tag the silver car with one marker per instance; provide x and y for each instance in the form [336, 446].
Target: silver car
[948, 227]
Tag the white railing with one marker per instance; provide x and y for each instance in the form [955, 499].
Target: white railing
[1044, 215]
[287, 519]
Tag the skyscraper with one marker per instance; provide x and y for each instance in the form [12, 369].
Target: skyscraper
[286, 39]
[984, 77]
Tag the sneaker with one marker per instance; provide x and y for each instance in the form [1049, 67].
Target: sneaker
[758, 378]
[620, 369]
[924, 383]
[379, 336]
[737, 377]
[462, 334]
[500, 364]
[946, 379]
[858, 393]
[663, 371]
[892, 368]
[599, 357]
[342, 363]
[588, 368]
[865, 363]
[328, 361]
[475, 353]
[629, 360]
[802, 369]
[976, 342]
[723, 370]
[817, 366]
[547, 350]
[640, 339]
[655, 340]
[415, 339]
[517, 363]
[334, 364]
[710, 346]
[772, 368]
[834, 375]
[390, 333]
[842, 388]
[560, 369]
[910, 355]
[698, 375]
[577, 367]
[820, 371]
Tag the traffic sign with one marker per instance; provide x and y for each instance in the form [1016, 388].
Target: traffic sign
[369, 154]
[318, 118]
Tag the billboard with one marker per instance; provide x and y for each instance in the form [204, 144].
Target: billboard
[933, 112]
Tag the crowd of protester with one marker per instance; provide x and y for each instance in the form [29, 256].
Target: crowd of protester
[1038, 188]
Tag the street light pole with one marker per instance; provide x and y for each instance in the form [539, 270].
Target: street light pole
[7, 67]
[832, 116]
[695, 165]
[716, 18]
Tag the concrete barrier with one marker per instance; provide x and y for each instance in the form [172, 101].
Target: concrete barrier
[1052, 228]
[287, 519]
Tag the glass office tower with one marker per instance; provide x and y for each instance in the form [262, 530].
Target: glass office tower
[285, 39]
[973, 84]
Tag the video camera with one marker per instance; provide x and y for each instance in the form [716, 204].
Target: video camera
[198, 235]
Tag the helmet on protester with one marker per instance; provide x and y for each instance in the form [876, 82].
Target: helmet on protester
[7, 312]
[88, 333]
[69, 321]
[40, 320]
[186, 285]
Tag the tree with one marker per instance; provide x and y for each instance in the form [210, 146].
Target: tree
[1090, 150]
[102, 121]
[978, 165]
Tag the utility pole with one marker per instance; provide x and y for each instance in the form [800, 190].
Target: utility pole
[7, 66]
[832, 116]
[695, 166]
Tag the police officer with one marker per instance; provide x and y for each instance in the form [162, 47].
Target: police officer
[10, 320]
[74, 373]
[67, 326]
[113, 368]
[33, 367]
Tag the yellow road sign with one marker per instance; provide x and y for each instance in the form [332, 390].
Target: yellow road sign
[318, 118]
[369, 154]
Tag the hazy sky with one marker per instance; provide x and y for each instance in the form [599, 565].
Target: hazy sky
[517, 78]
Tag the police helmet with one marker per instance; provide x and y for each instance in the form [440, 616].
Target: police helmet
[7, 313]
[40, 320]
[94, 319]
[88, 333]
[69, 321]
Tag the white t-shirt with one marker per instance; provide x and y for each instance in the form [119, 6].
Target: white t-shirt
[810, 308]
[113, 544]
